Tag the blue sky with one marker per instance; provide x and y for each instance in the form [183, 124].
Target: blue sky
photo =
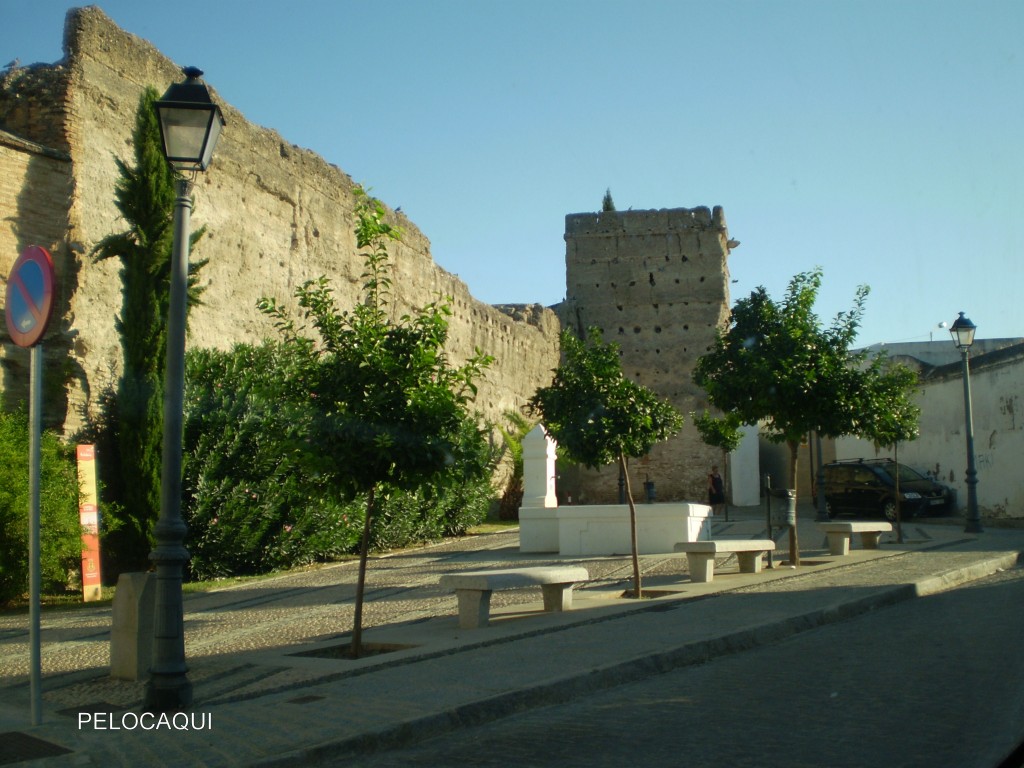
[881, 140]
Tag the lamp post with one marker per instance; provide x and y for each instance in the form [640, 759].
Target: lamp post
[962, 332]
[190, 124]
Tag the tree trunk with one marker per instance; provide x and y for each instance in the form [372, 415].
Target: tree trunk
[357, 628]
[637, 590]
[794, 538]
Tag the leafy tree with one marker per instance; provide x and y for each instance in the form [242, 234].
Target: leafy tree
[60, 542]
[598, 416]
[387, 408]
[891, 416]
[776, 366]
[607, 204]
[145, 196]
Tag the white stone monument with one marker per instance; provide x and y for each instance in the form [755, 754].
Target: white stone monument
[538, 525]
[595, 529]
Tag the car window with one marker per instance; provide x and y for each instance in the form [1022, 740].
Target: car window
[864, 477]
[838, 474]
[906, 473]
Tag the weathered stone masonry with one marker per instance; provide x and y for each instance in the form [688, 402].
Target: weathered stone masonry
[35, 185]
[656, 282]
[277, 215]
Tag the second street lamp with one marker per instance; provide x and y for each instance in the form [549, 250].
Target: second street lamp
[962, 332]
[190, 124]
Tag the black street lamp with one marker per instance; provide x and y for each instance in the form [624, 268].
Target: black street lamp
[962, 332]
[190, 124]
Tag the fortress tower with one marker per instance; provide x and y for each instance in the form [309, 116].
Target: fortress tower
[657, 283]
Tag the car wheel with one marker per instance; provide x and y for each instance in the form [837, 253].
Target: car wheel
[889, 510]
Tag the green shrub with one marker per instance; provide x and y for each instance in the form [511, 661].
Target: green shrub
[406, 517]
[251, 502]
[61, 534]
[446, 507]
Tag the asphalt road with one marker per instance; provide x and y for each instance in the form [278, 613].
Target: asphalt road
[937, 681]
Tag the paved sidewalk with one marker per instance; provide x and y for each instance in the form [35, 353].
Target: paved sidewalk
[258, 703]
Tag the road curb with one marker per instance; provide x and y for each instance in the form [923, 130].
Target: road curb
[952, 579]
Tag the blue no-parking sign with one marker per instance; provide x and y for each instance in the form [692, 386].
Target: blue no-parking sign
[29, 302]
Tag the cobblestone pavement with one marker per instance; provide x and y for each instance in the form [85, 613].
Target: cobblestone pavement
[292, 609]
[930, 683]
[273, 708]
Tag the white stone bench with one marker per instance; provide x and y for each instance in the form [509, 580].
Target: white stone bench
[474, 588]
[840, 534]
[700, 555]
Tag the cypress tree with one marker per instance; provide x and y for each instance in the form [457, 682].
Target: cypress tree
[145, 196]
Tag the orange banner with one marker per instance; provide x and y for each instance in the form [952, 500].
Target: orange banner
[88, 515]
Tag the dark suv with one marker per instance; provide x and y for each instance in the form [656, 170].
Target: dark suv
[868, 487]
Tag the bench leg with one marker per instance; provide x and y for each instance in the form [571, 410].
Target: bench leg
[838, 543]
[701, 566]
[869, 539]
[474, 607]
[557, 597]
[750, 562]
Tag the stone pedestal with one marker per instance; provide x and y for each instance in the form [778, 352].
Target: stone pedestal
[604, 529]
[538, 529]
[131, 636]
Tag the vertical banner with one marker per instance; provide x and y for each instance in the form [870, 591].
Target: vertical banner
[88, 514]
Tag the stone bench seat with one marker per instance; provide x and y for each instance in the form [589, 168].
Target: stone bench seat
[840, 534]
[700, 555]
[473, 589]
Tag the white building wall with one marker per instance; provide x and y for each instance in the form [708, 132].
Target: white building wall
[744, 470]
[997, 393]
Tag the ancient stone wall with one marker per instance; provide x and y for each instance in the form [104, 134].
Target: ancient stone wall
[657, 283]
[276, 215]
[35, 187]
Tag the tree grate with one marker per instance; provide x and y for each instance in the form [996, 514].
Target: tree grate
[17, 747]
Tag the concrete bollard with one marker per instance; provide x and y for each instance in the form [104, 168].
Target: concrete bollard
[131, 634]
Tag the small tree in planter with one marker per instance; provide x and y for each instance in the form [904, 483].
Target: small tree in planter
[598, 416]
[380, 407]
[777, 366]
[890, 416]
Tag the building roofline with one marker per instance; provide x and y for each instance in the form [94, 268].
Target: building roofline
[986, 360]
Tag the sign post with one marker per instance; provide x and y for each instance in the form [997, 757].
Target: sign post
[28, 307]
[88, 514]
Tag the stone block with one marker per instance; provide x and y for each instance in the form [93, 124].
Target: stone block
[131, 634]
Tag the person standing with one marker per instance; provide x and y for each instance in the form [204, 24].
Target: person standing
[716, 491]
